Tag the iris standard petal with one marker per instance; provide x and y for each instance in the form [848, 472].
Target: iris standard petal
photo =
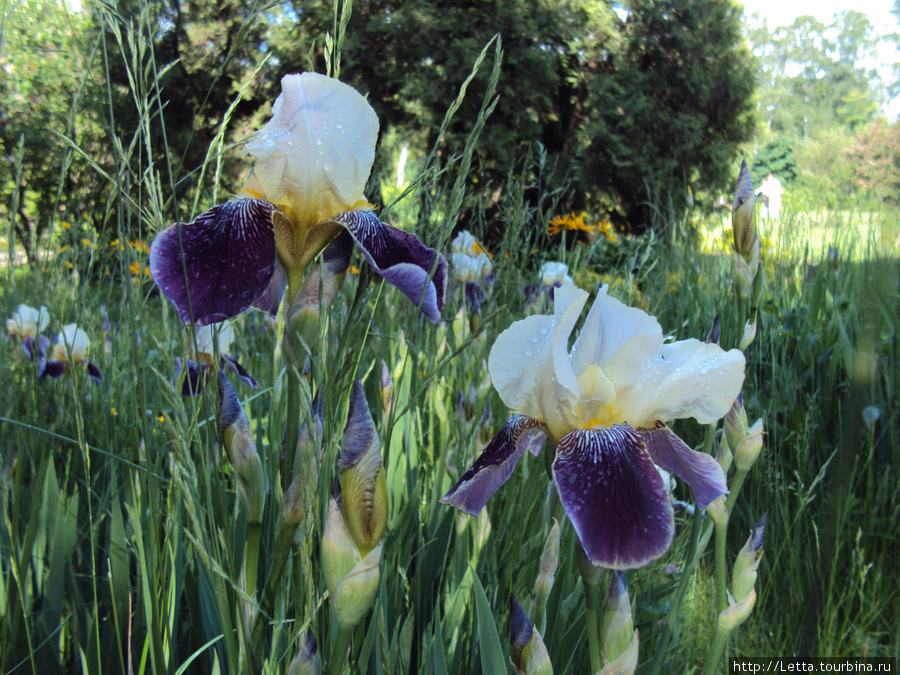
[688, 378]
[229, 259]
[403, 260]
[614, 496]
[617, 338]
[314, 156]
[699, 470]
[529, 364]
[494, 466]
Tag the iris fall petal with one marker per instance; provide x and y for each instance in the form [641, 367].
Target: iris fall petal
[403, 260]
[494, 466]
[614, 496]
[229, 260]
[699, 470]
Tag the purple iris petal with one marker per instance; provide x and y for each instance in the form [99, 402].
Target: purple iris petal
[495, 465]
[614, 496]
[94, 372]
[232, 364]
[403, 260]
[52, 368]
[36, 348]
[475, 295]
[194, 379]
[699, 470]
[229, 259]
[270, 300]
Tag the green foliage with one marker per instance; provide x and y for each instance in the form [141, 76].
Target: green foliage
[672, 107]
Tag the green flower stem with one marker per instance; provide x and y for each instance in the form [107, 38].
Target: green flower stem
[721, 538]
[338, 658]
[251, 559]
[291, 350]
[292, 424]
[592, 603]
[283, 542]
[715, 650]
[735, 488]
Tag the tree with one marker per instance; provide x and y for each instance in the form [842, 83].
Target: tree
[674, 106]
[876, 160]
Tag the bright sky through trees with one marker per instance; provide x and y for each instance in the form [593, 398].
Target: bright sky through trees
[780, 13]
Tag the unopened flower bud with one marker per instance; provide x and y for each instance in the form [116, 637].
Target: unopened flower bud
[292, 512]
[616, 624]
[743, 216]
[737, 612]
[717, 511]
[747, 451]
[549, 563]
[387, 387]
[749, 333]
[743, 277]
[736, 427]
[237, 437]
[363, 485]
[356, 591]
[306, 662]
[340, 554]
[744, 576]
[527, 650]
[759, 285]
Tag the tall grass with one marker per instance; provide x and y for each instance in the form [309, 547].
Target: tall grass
[122, 538]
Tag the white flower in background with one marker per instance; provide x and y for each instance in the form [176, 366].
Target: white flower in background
[469, 260]
[27, 321]
[555, 272]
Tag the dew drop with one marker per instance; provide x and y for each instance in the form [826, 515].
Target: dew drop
[534, 340]
[318, 141]
[339, 126]
[544, 330]
[270, 143]
[528, 352]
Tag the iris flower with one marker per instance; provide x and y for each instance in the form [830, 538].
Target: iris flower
[71, 346]
[26, 324]
[471, 266]
[202, 359]
[306, 191]
[605, 405]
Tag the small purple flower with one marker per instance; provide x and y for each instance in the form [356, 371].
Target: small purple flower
[605, 404]
[312, 162]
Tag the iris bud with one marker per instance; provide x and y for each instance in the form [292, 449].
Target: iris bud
[617, 634]
[549, 563]
[234, 430]
[743, 216]
[747, 451]
[736, 428]
[363, 484]
[527, 650]
[306, 662]
[387, 387]
[744, 575]
[737, 612]
[717, 511]
[749, 334]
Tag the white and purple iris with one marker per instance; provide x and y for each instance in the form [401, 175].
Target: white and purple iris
[605, 404]
[306, 192]
[202, 356]
[70, 347]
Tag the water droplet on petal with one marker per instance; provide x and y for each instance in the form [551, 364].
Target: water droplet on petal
[528, 352]
[340, 126]
[534, 340]
[318, 141]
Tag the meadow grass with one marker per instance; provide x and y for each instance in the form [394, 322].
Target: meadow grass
[122, 535]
